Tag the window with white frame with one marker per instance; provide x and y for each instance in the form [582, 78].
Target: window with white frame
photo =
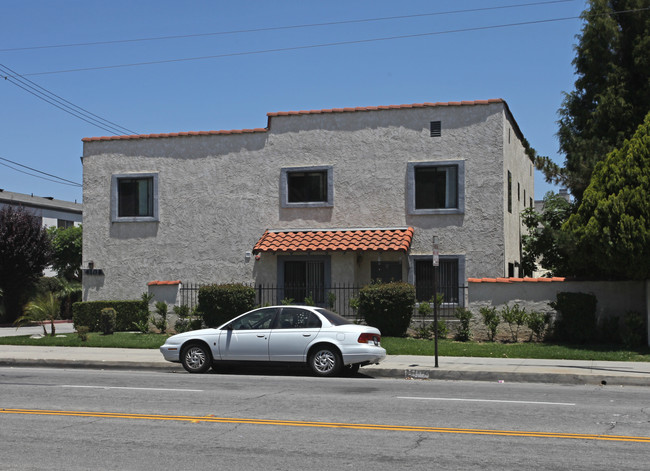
[307, 187]
[134, 197]
[436, 187]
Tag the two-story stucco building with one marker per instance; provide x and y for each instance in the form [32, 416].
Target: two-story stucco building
[316, 198]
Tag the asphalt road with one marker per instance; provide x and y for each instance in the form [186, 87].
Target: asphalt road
[92, 419]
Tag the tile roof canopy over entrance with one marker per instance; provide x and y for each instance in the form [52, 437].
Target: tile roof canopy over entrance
[308, 112]
[335, 240]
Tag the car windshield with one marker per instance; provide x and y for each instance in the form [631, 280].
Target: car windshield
[333, 317]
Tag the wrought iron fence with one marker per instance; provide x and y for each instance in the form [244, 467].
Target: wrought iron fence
[337, 297]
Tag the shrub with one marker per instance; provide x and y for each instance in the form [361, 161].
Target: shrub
[88, 313]
[82, 332]
[220, 303]
[108, 316]
[491, 320]
[515, 317]
[634, 330]
[577, 320]
[537, 323]
[609, 330]
[160, 322]
[186, 320]
[443, 330]
[388, 307]
[463, 332]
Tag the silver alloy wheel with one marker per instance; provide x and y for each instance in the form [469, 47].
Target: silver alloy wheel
[325, 362]
[195, 358]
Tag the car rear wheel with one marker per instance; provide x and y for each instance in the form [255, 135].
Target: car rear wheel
[196, 358]
[325, 361]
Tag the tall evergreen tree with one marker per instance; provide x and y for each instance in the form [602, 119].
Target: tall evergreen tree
[612, 225]
[612, 89]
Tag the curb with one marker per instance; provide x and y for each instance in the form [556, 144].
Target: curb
[393, 373]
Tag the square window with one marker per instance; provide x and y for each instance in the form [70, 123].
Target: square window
[305, 187]
[436, 187]
[134, 197]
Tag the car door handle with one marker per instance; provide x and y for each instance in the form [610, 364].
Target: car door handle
[306, 335]
[261, 336]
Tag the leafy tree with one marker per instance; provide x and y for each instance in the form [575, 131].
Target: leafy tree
[25, 250]
[66, 247]
[545, 242]
[612, 224]
[612, 89]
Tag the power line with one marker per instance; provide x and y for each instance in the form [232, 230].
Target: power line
[61, 103]
[312, 46]
[63, 182]
[279, 28]
[323, 45]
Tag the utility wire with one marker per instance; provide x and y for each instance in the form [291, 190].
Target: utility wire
[313, 46]
[323, 45]
[278, 28]
[31, 87]
[61, 181]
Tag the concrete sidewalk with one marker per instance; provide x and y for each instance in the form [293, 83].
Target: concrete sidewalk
[611, 373]
[395, 366]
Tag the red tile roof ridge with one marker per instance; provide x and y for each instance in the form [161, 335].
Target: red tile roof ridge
[174, 134]
[516, 280]
[342, 229]
[163, 283]
[387, 107]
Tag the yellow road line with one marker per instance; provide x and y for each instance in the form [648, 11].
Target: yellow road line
[299, 423]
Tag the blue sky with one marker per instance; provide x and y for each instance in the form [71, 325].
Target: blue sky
[528, 65]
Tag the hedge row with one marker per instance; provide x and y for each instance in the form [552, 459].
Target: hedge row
[220, 303]
[127, 313]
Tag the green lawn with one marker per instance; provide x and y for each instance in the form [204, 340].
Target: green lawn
[95, 339]
[393, 345]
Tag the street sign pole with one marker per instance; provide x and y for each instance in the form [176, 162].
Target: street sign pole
[436, 263]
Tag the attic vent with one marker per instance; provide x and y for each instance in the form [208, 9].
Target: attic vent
[436, 129]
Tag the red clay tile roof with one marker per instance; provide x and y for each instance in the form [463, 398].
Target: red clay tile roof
[516, 280]
[293, 113]
[339, 240]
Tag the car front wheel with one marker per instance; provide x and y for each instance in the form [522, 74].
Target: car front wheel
[196, 358]
[325, 361]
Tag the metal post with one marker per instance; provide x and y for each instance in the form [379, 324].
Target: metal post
[436, 263]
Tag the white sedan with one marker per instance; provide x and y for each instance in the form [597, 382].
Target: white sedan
[322, 339]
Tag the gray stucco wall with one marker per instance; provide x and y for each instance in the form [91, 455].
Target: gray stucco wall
[218, 193]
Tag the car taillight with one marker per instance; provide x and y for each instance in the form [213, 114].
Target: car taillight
[369, 338]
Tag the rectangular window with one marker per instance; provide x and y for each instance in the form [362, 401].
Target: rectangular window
[134, 197]
[307, 187]
[64, 223]
[435, 128]
[304, 279]
[509, 192]
[446, 284]
[524, 197]
[385, 272]
[304, 187]
[436, 187]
